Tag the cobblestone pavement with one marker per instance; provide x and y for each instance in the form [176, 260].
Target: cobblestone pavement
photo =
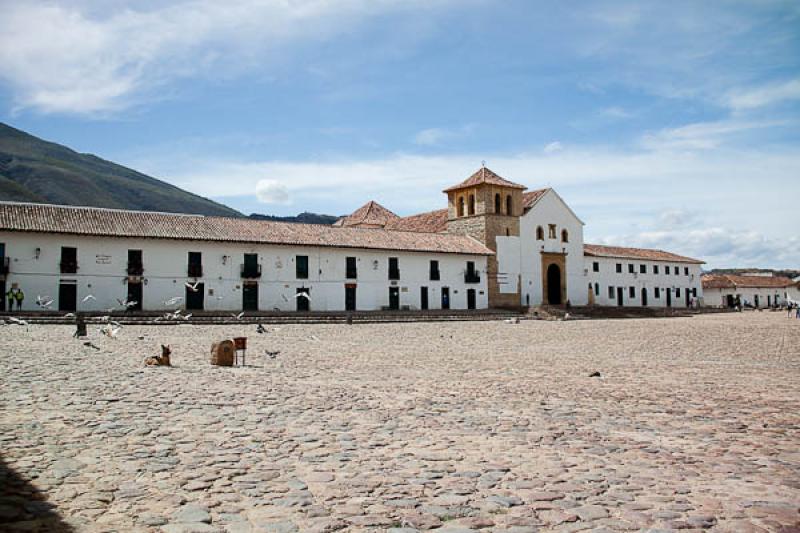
[693, 424]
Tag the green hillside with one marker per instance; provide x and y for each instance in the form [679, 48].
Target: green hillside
[34, 170]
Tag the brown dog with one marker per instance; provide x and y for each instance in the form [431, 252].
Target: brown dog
[160, 360]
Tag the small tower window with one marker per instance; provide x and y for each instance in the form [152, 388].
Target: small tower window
[471, 204]
[508, 205]
[497, 203]
[564, 235]
[551, 231]
[539, 233]
[461, 206]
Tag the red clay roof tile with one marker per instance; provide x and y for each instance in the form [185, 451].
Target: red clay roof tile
[43, 218]
[735, 281]
[484, 175]
[598, 250]
[372, 214]
[430, 222]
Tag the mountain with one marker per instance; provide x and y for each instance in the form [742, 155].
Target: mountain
[303, 218]
[34, 170]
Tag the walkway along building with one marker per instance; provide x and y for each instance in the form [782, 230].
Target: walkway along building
[495, 245]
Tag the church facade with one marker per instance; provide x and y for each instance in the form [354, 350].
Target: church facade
[540, 257]
[496, 244]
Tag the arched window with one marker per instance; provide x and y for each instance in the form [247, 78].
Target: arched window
[539, 233]
[497, 203]
[471, 204]
[564, 235]
[508, 205]
[461, 206]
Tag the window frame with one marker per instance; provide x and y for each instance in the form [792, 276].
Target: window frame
[298, 271]
[394, 273]
[351, 267]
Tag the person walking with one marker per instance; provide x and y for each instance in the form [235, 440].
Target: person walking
[20, 297]
[10, 298]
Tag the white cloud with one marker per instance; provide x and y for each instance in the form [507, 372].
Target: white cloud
[702, 135]
[553, 147]
[719, 246]
[437, 136]
[615, 112]
[764, 96]
[99, 57]
[272, 192]
[724, 205]
[678, 218]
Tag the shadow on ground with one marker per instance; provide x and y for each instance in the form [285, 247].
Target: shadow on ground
[23, 506]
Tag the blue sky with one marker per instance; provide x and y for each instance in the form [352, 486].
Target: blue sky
[663, 124]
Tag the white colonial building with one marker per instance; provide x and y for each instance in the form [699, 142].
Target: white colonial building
[495, 245]
[642, 278]
[92, 259]
[753, 290]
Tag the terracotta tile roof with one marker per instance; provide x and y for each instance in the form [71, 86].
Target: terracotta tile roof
[531, 197]
[484, 175]
[143, 224]
[735, 281]
[372, 214]
[430, 222]
[598, 250]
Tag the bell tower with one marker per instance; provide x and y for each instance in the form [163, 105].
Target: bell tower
[486, 206]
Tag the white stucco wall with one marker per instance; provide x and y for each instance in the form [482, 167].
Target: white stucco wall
[550, 209]
[766, 295]
[508, 264]
[102, 265]
[609, 277]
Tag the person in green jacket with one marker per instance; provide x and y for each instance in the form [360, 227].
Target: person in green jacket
[19, 296]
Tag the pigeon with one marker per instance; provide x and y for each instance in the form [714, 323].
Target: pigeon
[90, 345]
[191, 287]
[272, 355]
[303, 295]
[261, 329]
[88, 297]
[126, 304]
[186, 317]
[172, 301]
[239, 316]
[45, 302]
[69, 315]
[18, 321]
[110, 331]
[285, 299]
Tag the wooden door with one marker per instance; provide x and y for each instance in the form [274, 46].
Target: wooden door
[67, 296]
[195, 299]
[394, 298]
[249, 295]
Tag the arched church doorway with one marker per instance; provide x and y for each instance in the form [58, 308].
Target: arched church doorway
[554, 284]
